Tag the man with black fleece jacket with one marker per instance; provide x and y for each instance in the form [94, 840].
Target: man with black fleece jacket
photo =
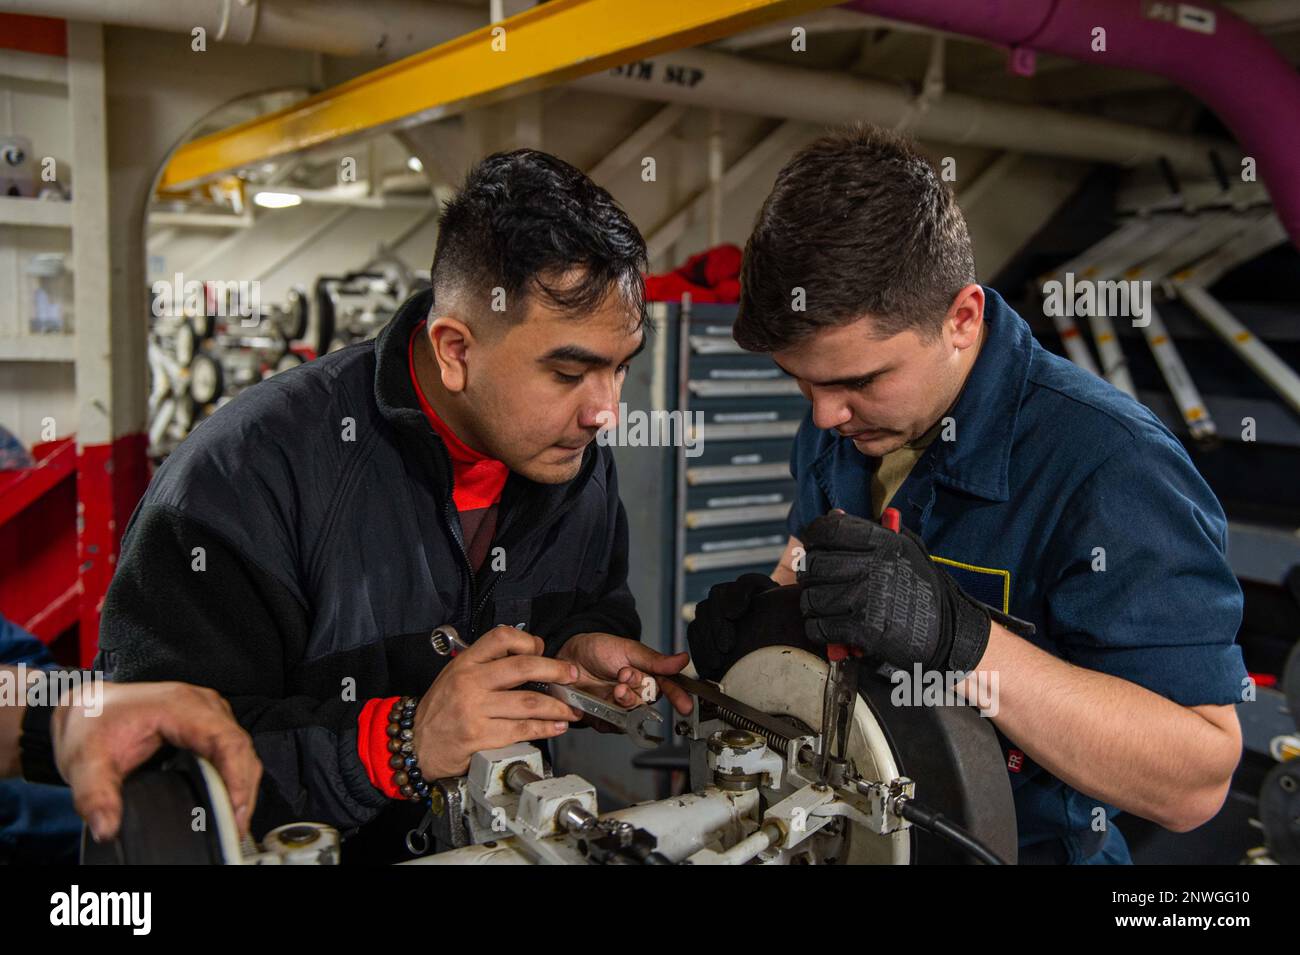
[295, 552]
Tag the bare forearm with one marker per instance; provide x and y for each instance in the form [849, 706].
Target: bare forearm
[1107, 737]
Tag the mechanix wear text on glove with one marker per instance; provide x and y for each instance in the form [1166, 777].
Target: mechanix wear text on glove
[879, 591]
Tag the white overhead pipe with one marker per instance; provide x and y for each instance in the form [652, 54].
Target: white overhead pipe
[829, 20]
[389, 28]
[707, 79]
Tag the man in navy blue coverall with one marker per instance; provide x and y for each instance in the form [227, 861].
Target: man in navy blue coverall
[1056, 536]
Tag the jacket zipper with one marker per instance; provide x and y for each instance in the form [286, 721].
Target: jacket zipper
[464, 555]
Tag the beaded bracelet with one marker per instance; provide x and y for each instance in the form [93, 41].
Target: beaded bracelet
[401, 743]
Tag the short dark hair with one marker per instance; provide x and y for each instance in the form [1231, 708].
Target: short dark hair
[520, 221]
[862, 222]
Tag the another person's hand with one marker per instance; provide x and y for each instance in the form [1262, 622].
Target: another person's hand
[617, 669]
[712, 634]
[95, 752]
[475, 704]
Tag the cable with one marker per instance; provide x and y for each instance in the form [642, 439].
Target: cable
[946, 829]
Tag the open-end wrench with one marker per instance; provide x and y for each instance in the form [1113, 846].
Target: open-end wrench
[640, 722]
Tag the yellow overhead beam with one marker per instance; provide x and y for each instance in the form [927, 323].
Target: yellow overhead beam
[547, 44]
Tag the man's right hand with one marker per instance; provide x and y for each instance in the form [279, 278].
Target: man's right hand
[474, 704]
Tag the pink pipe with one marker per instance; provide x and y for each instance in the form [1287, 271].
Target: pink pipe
[1234, 70]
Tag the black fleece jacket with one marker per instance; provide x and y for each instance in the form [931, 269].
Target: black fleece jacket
[295, 551]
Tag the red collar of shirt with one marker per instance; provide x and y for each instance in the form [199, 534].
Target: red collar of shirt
[477, 480]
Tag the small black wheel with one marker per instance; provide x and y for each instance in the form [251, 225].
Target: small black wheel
[296, 315]
[206, 379]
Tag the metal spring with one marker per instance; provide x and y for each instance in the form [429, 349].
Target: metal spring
[775, 740]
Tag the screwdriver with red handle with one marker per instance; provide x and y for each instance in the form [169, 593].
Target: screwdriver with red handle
[842, 688]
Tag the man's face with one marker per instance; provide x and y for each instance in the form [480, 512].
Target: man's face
[881, 392]
[540, 391]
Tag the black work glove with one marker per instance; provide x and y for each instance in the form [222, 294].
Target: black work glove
[712, 634]
[868, 587]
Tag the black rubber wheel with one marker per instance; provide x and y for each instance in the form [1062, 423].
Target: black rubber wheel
[158, 812]
[1279, 812]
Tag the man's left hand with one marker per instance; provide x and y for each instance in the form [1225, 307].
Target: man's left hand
[616, 668]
